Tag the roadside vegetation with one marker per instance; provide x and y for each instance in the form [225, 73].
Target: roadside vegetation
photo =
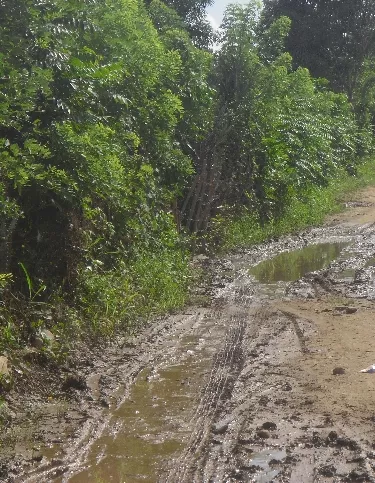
[127, 141]
[309, 209]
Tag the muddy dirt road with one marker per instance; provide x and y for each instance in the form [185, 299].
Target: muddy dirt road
[260, 384]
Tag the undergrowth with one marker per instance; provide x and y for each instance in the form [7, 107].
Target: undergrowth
[104, 303]
[153, 284]
[309, 209]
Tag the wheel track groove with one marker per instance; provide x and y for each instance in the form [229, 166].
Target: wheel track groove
[212, 394]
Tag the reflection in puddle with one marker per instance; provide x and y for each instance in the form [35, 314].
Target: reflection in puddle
[291, 266]
[148, 429]
[268, 461]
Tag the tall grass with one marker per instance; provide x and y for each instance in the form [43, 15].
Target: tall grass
[104, 302]
[152, 284]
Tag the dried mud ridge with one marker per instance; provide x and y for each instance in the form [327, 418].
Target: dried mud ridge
[281, 399]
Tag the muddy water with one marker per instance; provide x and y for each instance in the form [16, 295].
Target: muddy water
[263, 460]
[151, 429]
[290, 266]
[140, 440]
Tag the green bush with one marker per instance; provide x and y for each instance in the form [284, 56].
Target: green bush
[308, 209]
[154, 283]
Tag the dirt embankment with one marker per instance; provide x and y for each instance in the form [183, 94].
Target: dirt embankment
[262, 383]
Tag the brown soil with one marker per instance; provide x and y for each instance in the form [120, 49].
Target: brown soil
[262, 384]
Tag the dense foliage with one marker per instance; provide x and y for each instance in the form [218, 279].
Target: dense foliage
[277, 130]
[332, 39]
[119, 129]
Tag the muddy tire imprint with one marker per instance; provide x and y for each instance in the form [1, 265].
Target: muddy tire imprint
[226, 364]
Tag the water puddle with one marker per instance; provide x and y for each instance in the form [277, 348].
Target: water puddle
[268, 461]
[141, 426]
[291, 266]
[148, 429]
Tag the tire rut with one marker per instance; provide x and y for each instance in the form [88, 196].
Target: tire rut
[216, 390]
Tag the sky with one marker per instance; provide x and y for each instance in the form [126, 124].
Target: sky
[215, 12]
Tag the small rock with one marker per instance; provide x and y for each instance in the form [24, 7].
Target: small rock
[238, 475]
[295, 417]
[4, 369]
[332, 436]
[264, 400]
[346, 309]
[219, 285]
[281, 402]
[269, 425]
[328, 470]
[358, 475]
[37, 342]
[317, 440]
[338, 371]
[263, 434]
[348, 443]
[221, 427]
[351, 310]
[47, 336]
[32, 355]
[251, 468]
[244, 441]
[5, 375]
[287, 387]
[357, 459]
[290, 460]
[74, 381]
[44, 338]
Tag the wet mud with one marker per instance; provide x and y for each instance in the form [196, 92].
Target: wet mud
[261, 384]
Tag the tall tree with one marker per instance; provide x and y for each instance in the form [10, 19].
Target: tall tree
[87, 132]
[193, 13]
[332, 39]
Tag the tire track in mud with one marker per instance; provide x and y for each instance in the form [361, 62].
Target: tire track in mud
[216, 390]
[300, 335]
[258, 375]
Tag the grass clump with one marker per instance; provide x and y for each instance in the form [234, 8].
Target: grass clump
[104, 302]
[152, 284]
